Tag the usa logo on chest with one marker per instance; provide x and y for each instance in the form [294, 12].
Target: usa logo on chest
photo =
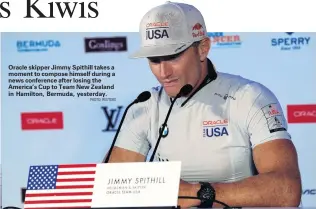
[215, 128]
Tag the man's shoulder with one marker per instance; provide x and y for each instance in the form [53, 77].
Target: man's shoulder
[233, 79]
[244, 85]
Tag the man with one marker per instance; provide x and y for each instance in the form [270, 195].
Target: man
[224, 131]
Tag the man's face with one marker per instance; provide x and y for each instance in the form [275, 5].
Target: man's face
[175, 71]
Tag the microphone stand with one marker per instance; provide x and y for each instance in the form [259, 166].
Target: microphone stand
[144, 96]
[117, 132]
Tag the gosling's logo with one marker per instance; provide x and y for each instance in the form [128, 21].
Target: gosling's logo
[165, 132]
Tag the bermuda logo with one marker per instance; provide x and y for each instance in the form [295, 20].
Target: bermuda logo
[36, 45]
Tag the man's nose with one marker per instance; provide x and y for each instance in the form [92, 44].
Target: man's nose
[165, 71]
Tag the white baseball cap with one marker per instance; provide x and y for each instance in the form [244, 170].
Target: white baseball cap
[170, 29]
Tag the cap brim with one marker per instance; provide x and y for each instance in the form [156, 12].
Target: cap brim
[158, 51]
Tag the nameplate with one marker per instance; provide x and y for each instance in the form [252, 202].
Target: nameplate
[143, 184]
[154, 184]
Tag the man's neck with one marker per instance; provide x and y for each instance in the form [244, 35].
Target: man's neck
[202, 78]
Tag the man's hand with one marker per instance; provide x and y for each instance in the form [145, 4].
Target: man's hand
[188, 190]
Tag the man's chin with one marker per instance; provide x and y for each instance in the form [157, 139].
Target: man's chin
[172, 91]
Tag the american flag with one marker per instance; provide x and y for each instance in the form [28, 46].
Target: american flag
[60, 186]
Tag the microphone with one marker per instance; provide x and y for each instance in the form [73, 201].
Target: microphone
[144, 96]
[185, 90]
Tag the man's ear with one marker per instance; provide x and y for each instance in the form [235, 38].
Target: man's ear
[204, 48]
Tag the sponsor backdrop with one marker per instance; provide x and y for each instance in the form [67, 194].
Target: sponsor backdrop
[61, 128]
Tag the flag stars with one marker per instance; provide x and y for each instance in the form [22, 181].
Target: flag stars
[42, 177]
